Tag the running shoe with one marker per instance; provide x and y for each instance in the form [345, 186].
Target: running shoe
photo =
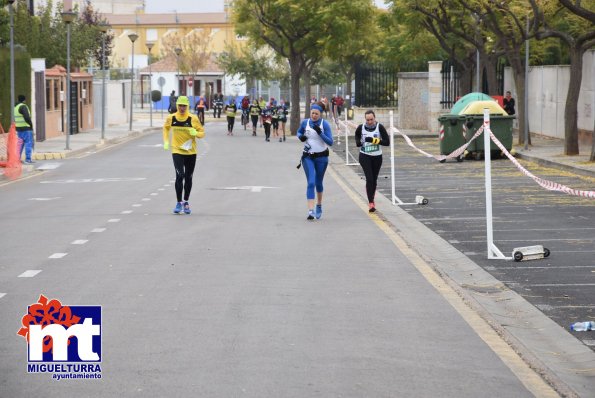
[311, 215]
[186, 208]
[280, 139]
[318, 211]
[179, 208]
[372, 207]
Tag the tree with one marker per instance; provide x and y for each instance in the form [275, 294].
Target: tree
[297, 30]
[252, 63]
[348, 49]
[289, 28]
[577, 31]
[195, 48]
[91, 19]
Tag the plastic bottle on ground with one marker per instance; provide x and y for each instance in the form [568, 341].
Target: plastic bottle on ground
[582, 326]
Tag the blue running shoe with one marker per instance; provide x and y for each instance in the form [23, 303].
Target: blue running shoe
[310, 215]
[186, 208]
[178, 208]
[318, 211]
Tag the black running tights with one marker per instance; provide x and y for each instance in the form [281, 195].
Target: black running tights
[371, 166]
[184, 165]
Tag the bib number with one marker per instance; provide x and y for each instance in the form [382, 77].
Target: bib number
[371, 148]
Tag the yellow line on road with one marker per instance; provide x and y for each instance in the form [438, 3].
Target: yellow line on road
[530, 379]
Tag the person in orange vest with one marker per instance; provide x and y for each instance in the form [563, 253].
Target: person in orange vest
[201, 105]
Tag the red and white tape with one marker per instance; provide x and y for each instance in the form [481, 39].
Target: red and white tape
[549, 185]
[455, 154]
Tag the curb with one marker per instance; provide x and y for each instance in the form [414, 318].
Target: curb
[561, 166]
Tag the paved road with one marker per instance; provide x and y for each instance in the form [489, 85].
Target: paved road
[562, 285]
[242, 298]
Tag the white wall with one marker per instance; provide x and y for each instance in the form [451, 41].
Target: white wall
[548, 88]
[117, 106]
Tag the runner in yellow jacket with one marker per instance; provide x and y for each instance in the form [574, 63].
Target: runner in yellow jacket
[185, 128]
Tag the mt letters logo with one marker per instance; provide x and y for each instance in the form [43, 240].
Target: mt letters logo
[64, 341]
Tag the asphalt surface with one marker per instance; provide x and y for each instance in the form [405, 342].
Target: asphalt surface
[244, 297]
[562, 285]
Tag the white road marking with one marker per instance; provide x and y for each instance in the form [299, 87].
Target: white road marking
[545, 267]
[136, 205]
[58, 255]
[2, 295]
[251, 188]
[30, 273]
[80, 242]
[87, 180]
[161, 189]
[126, 212]
[453, 241]
[154, 194]
[113, 220]
[49, 166]
[145, 199]
[98, 229]
[556, 284]
[150, 146]
[45, 199]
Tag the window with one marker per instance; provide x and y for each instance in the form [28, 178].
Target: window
[151, 35]
[56, 94]
[48, 93]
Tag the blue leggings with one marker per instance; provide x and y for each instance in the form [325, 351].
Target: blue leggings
[314, 169]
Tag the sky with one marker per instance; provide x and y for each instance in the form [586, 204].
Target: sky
[161, 6]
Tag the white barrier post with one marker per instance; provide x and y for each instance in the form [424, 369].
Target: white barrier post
[346, 141]
[392, 157]
[493, 251]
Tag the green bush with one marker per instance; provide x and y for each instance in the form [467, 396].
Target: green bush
[155, 95]
[22, 81]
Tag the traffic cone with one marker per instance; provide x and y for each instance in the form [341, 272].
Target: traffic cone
[13, 168]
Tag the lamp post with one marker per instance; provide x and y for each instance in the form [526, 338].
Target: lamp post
[178, 51]
[103, 28]
[132, 36]
[149, 47]
[12, 100]
[68, 17]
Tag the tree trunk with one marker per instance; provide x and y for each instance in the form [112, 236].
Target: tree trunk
[308, 93]
[492, 62]
[295, 68]
[348, 93]
[571, 111]
[522, 114]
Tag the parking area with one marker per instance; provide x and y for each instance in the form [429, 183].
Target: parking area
[524, 214]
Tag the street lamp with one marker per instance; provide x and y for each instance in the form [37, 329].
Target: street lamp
[68, 17]
[149, 47]
[132, 36]
[178, 51]
[12, 100]
[103, 27]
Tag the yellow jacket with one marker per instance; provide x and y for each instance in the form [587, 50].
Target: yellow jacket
[182, 141]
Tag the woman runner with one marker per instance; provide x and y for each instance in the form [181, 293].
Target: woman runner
[369, 137]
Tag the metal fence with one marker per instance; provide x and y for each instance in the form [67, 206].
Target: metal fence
[450, 84]
[376, 86]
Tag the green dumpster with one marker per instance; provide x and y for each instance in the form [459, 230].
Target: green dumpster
[500, 124]
[452, 134]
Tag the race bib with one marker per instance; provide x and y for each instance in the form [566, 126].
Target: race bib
[371, 148]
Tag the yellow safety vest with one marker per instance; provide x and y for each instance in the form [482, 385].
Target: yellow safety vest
[19, 120]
